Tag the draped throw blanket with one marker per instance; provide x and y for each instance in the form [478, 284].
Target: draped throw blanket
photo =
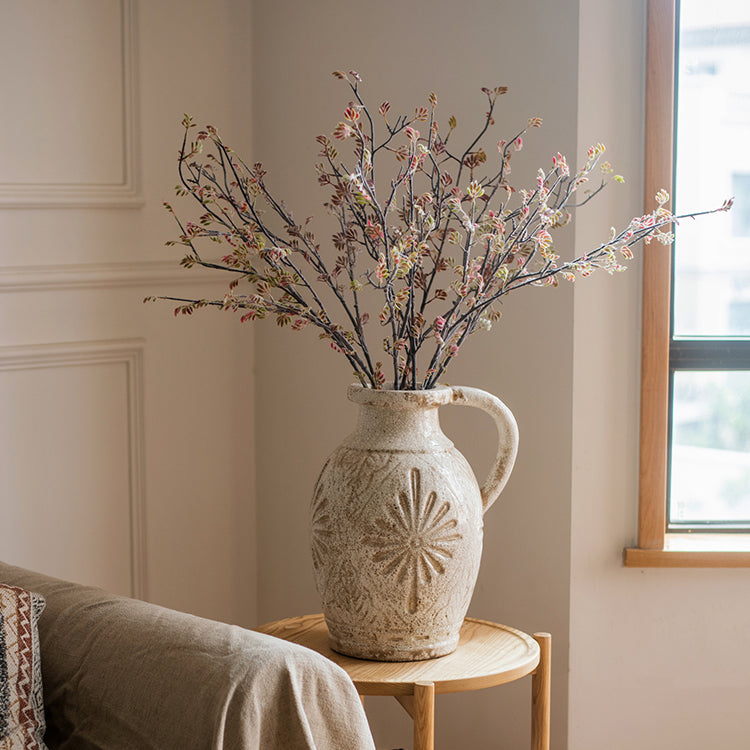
[121, 674]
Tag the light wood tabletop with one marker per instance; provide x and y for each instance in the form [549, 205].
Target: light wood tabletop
[488, 654]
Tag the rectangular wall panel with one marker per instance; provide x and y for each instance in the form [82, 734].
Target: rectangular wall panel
[70, 465]
[67, 83]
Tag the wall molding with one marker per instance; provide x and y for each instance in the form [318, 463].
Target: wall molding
[129, 353]
[79, 195]
[104, 276]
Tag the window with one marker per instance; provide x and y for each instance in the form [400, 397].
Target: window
[695, 385]
[741, 215]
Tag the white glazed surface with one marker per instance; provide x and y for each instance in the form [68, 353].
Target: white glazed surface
[396, 527]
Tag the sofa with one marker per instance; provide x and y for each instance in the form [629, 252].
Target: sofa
[122, 674]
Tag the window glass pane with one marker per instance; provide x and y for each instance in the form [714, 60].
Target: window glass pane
[710, 473]
[712, 255]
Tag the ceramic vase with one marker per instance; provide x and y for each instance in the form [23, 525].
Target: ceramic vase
[396, 524]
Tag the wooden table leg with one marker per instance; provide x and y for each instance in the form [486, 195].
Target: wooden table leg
[540, 694]
[424, 716]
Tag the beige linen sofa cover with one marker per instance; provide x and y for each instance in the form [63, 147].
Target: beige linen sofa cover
[121, 674]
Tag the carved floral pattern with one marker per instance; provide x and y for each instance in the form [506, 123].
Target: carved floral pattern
[414, 538]
[320, 536]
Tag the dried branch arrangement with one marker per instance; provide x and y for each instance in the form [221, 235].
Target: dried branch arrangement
[421, 256]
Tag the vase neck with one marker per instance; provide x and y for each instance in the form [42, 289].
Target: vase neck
[387, 427]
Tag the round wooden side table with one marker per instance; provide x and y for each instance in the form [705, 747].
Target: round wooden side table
[488, 654]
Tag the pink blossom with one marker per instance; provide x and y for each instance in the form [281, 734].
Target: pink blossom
[474, 190]
[662, 197]
[382, 268]
[561, 163]
[543, 239]
[374, 231]
[343, 131]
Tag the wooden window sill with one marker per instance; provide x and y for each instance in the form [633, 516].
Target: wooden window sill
[694, 551]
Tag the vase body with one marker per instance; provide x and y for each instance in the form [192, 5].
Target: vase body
[396, 525]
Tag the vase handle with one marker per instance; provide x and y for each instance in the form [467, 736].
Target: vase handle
[507, 431]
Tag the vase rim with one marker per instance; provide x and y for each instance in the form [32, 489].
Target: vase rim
[437, 396]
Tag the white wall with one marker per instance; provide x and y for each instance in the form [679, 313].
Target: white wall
[658, 657]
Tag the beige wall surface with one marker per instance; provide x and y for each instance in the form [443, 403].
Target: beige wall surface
[125, 434]
[652, 655]
[658, 657]
[187, 421]
[404, 50]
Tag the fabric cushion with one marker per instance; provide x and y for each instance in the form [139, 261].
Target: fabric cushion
[21, 707]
